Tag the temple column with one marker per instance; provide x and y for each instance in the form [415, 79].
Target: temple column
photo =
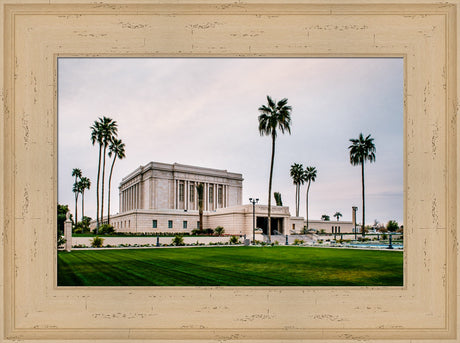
[185, 195]
[216, 201]
[205, 197]
[131, 198]
[174, 194]
[196, 198]
[176, 206]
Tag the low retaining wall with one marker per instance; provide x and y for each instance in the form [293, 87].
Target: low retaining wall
[152, 240]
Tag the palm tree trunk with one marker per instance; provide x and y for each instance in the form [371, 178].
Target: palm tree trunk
[108, 196]
[298, 195]
[362, 183]
[270, 190]
[102, 187]
[76, 209]
[97, 188]
[308, 189]
[82, 204]
[296, 200]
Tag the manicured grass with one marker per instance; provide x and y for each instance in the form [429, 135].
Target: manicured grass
[231, 266]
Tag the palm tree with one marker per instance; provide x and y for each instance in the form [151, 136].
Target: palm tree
[85, 183]
[109, 131]
[96, 137]
[278, 200]
[362, 150]
[337, 215]
[117, 149]
[102, 131]
[199, 192]
[76, 189]
[273, 116]
[297, 180]
[309, 176]
[77, 173]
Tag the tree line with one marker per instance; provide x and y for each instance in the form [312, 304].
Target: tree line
[104, 134]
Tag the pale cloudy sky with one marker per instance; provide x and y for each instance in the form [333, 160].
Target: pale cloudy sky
[203, 112]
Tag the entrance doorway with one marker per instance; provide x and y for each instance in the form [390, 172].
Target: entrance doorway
[277, 225]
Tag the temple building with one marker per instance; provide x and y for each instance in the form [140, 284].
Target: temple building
[160, 186]
[160, 197]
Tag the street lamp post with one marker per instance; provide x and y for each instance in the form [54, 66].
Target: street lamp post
[254, 202]
[354, 208]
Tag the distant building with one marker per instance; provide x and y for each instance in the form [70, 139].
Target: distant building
[160, 197]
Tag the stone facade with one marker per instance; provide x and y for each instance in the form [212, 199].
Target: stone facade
[236, 220]
[173, 187]
[332, 226]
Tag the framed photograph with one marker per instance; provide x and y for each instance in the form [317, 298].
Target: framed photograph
[37, 37]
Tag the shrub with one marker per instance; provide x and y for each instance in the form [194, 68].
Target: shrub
[178, 240]
[61, 241]
[219, 230]
[97, 242]
[106, 229]
[234, 240]
[298, 241]
[83, 225]
[392, 226]
[209, 231]
[197, 232]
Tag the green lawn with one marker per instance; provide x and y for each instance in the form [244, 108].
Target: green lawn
[231, 266]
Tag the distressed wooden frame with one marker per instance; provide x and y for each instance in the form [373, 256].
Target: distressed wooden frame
[34, 34]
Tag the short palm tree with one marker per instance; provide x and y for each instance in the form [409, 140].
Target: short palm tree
[85, 183]
[273, 116]
[77, 173]
[297, 176]
[76, 189]
[309, 176]
[362, 150]
[200, 193]
[117, 149]
[337, 215]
